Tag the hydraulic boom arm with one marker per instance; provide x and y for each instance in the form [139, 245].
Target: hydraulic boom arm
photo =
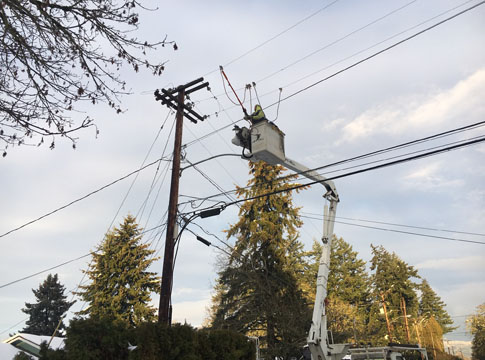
[266, 142]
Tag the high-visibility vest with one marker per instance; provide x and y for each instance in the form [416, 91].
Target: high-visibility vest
[258, 113]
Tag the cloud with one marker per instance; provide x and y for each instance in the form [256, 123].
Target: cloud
[428, 177]
[463, 297]
[425, 111]
[467, 263]
[192, 312]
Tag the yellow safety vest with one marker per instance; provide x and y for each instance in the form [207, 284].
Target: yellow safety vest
[258, 113]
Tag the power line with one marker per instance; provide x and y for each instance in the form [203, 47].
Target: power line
[82, 197]
[11, 327]
[381, 51]
[400, 225]
[356, 63]
[334, 42]
[392, 163]
[402, 231]
[376, 152]
[339, 40]
[274, 37]
[45, 270]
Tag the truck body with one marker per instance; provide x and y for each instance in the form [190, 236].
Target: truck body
[391, 352]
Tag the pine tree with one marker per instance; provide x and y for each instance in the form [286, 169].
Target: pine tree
[430, 304]
[348, 289]
[392, 280]
[51, 305]
[120, 284]
[257, 291]
[348, 279]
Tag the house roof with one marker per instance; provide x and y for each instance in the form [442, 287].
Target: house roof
[31, 343]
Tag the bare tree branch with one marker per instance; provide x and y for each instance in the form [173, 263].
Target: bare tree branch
[53, 54]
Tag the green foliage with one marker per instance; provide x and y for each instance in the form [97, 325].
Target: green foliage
[50, 354]
[105, 338]
[225, 345]
[430, 304]
[344, 320]
[22, 356]
[258, 290]
[155, 341]
[478, 345]
[97, 338]
[348, 279]
[51, 305]
[476, 324]
[392, 280]
[120, 284]
[348, 290]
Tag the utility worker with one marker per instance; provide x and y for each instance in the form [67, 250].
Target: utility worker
[257, 115]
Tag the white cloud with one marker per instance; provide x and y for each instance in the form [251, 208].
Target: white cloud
[465, 98]
[463, 297]
[428, 178]
[467, 263]
[192, 312]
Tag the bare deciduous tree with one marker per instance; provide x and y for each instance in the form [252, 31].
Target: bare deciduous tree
[54, 53]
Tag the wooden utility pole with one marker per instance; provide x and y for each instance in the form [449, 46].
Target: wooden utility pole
[416, 326]
[387, 318]
[403, 306]
[183, 110]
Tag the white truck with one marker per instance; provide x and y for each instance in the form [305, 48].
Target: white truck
[265, 141]
[391, 352]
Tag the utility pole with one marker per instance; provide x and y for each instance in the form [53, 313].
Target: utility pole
[387, 318]
[175, 99]
[416, 326]
[403, 306]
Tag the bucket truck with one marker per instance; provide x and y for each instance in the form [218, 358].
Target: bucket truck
[265, 141]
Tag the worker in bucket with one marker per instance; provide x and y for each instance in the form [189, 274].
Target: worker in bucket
[257, 116]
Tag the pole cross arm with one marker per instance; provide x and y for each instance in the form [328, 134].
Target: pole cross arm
[168, 97]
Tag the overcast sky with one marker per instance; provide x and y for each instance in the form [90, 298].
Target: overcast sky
[427, 85]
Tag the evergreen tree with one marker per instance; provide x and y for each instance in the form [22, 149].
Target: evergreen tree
[51, 305]
[348, 279]
[392, 280]
[430, 304]
[476, 325]
[257, 291]
[348, 289]
[120, 284]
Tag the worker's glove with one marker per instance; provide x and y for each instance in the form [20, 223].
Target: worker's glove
[247, 117]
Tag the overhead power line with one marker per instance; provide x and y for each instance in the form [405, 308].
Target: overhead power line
[274, 37]
[334, 42]
[382, 51]
[388, 164]
[402, 231]
[399, 225]
[69, 261]
[82, 197]
[373, 153]
[43, 271]
[351, 66]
